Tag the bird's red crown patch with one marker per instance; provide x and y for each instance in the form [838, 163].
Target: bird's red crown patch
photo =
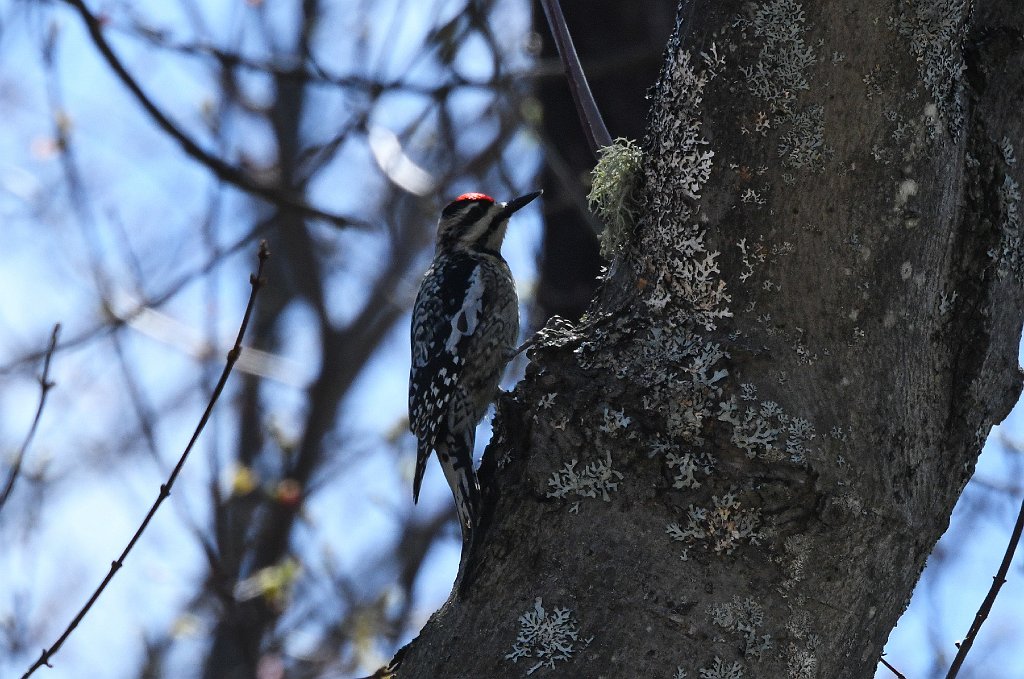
[474, 196]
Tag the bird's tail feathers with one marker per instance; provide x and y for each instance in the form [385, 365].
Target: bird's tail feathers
[422, 455]
[456, 456]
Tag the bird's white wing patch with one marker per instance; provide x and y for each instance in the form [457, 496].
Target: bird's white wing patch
[465, 321]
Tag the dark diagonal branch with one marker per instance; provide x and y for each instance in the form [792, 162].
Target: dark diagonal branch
[586, 107]
[44, 388]
[899, 675]
[986, 605]
[256, 281]
[220, 168]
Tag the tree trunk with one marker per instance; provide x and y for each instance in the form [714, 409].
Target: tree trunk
[736, 465]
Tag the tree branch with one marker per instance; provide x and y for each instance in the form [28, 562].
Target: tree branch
[220, 168]
[590, 116]
[990, 599]
[899, 675]
[44, 388]
[316, 75]
[256, 281]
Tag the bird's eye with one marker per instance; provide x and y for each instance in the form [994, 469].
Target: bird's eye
[453, 208]
[474, 214]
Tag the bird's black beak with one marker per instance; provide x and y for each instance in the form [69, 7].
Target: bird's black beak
[516, 204]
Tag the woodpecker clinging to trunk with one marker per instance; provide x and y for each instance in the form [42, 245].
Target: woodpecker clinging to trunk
[464, 327]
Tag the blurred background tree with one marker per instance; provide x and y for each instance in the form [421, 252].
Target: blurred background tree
[147, 148]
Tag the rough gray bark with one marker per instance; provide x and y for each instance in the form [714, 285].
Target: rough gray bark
[738, 463]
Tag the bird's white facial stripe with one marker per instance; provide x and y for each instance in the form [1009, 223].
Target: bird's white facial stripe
[473, 227]
[465, 321]
[477, 229]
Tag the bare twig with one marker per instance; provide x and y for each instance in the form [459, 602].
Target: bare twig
[44, 388]
[315, 75]
[892, 669]
[108, 325]
[986, 605]
[586, 107]
[256, 281]
[220, 168]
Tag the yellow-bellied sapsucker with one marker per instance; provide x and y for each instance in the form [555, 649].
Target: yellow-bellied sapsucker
[464, 327]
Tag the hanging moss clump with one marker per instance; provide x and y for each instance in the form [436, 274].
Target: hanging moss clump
[615, 193]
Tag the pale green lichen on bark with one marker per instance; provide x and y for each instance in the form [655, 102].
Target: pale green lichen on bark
[802, 145]
[743, 617]
[767, 432]
[722, 526]
[935, 31]
[546, 637]
[780, 71]
[721, 670]
[1009, 255]
[777, 76]
[687, 465]
[682, 270]
[596, 480]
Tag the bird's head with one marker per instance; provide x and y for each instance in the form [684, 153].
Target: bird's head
[475, 221]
